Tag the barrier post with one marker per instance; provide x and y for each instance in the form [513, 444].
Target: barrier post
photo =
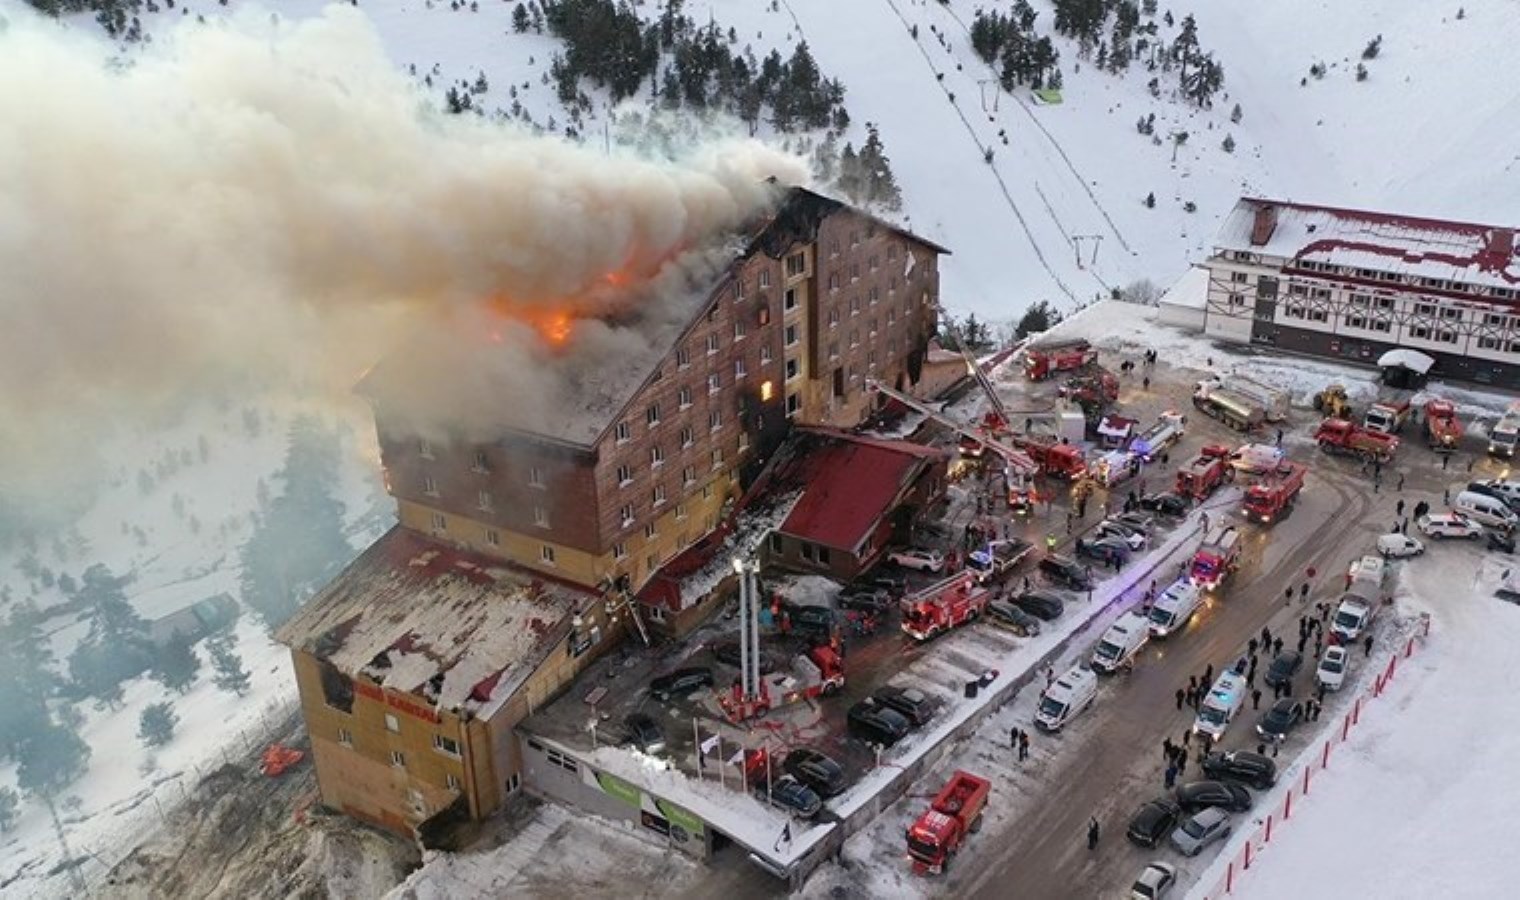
[1377, 686]
[1247, 866]
[1325, 764]
[1346, 727]
[1269, 829]
[1409, 649]
[1356, 712]
[1288, 803]
[1308, 769]
[1229, 878]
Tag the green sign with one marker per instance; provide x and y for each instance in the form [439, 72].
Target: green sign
[617, 787]
[679, 816]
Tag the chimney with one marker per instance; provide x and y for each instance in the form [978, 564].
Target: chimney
[1501, 245]
[1264, 225]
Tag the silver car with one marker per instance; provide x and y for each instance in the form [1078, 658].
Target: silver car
[1203, 829]
[1154, 882]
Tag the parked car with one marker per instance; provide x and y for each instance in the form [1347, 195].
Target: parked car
[1394, 546]
[1167, 504]
[791, 795]
[882, 580]
[1152, 822]
[815, 769]
[1197, 795]
[922, 560]
[1243, 766]
[1448, 525]
[1008, 615]
[1067, 572]
[1332, 668]
[1134, 539]
[1280, 719]
[680, 683]
[1106, 551]
[644, 733]
[1502, 541]
[1201, 830]
[728, 654]
[912, 703]
[866, 599]
[875, 724]
[1283, 668]
[817, 621]
[1139, 521]
[1041, 604]
[1155, 880]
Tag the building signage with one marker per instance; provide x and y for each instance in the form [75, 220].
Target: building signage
[379, 695]
[617, 787]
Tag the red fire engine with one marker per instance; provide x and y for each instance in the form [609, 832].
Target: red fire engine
[1270, 498]
[1442, 430]
[819, 672]
[1057, 356]
[1216, 558]
[955, 812]
[1342, 437]
[1201, 476]
[943, 606]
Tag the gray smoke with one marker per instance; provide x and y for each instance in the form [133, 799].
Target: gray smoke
[252, 200]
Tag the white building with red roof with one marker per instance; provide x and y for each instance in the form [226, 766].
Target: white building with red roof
[1354, 284]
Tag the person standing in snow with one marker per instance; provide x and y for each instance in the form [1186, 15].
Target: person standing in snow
[1256, 698]
[1180, 698]
[1367, 645]
[1092, 834]
[1023, 745]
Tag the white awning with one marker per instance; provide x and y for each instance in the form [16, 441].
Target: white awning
[1413, 360]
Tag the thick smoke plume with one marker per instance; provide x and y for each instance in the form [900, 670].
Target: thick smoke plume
[259, 199]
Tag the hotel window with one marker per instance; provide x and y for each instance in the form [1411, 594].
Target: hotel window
[1298, 290]
[793, 369]
[656, 456]
[392, 724]
[683, 398]
[624, 475]
[546, 554]
[446, 745]
[1317, 315]
[680, 510]
[1451, 313]
[740, 329]
[717, 458]
[625, 515]
[765, 278]
[891, 317]
[739, 369]
[493, 537]
[854, 306]
[715, 420]
[833, 350]
[1320, 293]
[792, 332]
[738, 288]
[535, 477]
[743, 441]
[1240, 277]
[1489, 343]
[687, 437]
[689, 476]
[854, 239]
[429, 486]
[855, 271]
[1425, 309]
[872, 325]
[1385, 303]
[1419, 332]
[658, 497]
[398, 759]
[712, 344]
[1446, 337]
[834, 281]
[854, 337]
[707, 495]
[789, 300]
[766, 354]
[483, 501]
[451, 780]
[652, 415]
[833, 246]
[540, 517]
[763, 316]
[622, 433]
[714, 383]
[650, 533]
[793, 405]
[873, 262]
[440, 522]
[425, 449]
[683, 357]
[833, 318]
[873, 295]
[1237, 300]
[796, 264]
[892, 285]
[620, 550]
[345, 737]
[480, 462]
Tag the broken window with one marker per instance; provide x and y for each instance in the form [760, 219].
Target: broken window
[337, 688]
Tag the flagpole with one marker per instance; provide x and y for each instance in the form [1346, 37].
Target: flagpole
[696, 735]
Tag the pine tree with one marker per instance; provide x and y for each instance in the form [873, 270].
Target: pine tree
[27, 671]
[851, 183]
[520, 19]
[1373, 47]
[1236, 114]
[10, 803]
[51, 758]
[117, 646]
[155, 727]
[230, 675]
[1040, 316]
[880, 183]
[176, 664]
[1229, 144]
[1150, 200]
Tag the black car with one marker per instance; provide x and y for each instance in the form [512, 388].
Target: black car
[1167, 504]
[1065, 571]
[1503, 541]
[728, 654]
[680, 683]
[1136, 521]
[1199, 795]
[1280, 719]
[912, 703]
[814, 621]
[644, 733]
[1153, 822]
[1240, 765]
[876, 724]
[1004, 613]
[1107, 550]
[818, 771]
[866, 599]
[1284, 667]
[1040, 604]
[882, 580]
[791, 795]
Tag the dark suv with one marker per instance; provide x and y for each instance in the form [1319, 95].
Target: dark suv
[876, 724]
[1040, 604]
[817, 770]
[812, 621]
[680, 683]
[1106, 550]
[1065, 571]
[1239, 765]
[865, 599]
[1153, 822]
[912, 703]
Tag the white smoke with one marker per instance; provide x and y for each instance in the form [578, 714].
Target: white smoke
[253, 199]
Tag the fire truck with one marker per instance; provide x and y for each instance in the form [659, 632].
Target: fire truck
[1442, 430]
[955, 812]
[1217, 557]
[1348, 438]
[1058, 460]
[1098, 389]
[819, 672]
[1050, 357]
[1271, 497]
[1205, 473]
[1153, 441]
[1388, 416]
[941, 607]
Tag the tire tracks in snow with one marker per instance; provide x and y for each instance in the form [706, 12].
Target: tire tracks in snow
[1002, 185]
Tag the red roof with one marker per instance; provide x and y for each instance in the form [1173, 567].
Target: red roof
[851, 483]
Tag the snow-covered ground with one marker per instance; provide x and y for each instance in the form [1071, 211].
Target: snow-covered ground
[182, 557]
[1426, 785]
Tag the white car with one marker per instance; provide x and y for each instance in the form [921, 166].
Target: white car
[1154, 882]
[1394, 546]
[1132, 537]
[1332, 668]
[1448, 525]
[922, 560]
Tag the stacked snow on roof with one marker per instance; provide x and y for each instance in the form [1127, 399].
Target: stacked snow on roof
[1191, 290]
[417, 617]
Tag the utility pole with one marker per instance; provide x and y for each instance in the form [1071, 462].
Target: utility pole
[1076, 243]
[997, 90]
